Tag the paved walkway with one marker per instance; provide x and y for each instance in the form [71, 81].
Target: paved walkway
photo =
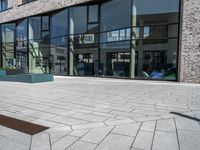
[103, 114]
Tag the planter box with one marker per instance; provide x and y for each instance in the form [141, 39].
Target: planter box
[14, 71]
[28, 78]
[2, 72]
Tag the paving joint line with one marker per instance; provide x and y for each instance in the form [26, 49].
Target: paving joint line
[50, 141]
[153, 135]
[61, 138]
[177, 134]
[77, 139]
[136, 136]
[30, 146]
[104, 137]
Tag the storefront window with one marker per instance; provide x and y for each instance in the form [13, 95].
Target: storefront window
[157, 31]
[115, 38]
[84, 28]
[93, 13]
[8, 46]
[21, 45]
[59, 43]
[38, 45]
[130, 38]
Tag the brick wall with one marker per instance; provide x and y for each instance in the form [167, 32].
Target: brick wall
[33, 8]
[190, 42]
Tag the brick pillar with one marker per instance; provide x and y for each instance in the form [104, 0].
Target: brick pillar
[189, 56]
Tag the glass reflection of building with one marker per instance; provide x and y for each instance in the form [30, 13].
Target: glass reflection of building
[3, 5]
[129, 38]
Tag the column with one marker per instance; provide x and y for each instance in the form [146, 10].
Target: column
[133, 43]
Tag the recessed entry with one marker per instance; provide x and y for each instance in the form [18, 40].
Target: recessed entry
[20, 125]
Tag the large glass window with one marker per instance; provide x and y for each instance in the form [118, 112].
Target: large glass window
[93, 13]
[21, 45]
[39, 44]
[78, 15]
[115, 14]
[84, 28]
[155, 39]
[8, 46]
[115, 38]
[130, 38]
[59, 43]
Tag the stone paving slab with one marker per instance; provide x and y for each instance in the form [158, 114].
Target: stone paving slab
[102, 114]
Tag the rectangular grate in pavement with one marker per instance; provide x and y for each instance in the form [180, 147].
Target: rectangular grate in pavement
[20, 125]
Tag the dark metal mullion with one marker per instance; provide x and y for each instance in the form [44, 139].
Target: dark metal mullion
[1, 50]
[68, 41]
[178, 60]
[40, 27]
[49, 40]
[15, 41]
[28, 45]
[99, 39]
[87, 16]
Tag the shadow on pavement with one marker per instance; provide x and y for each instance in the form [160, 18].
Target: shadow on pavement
[186, 116]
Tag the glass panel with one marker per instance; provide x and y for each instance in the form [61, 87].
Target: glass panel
[3, 5]
[8, 38]
[83, 41]
[128, 34]
[93, 13]
[116, 18]
[155, 23]
[122, 35]
[38, 47]
[0, 5]
[27, 1]
[59, 42]
[30, 1]
[45, 23]
[84, 64]
[21, 46]
[78, 17]
[115, 36]
[115, 59]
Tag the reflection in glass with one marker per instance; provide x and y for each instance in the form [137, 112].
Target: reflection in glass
[116, 18]
[79, 17]
[84, 40]
[93, 13]
[3, 5]
[115, 38]
[115, 59]
[38, 46]
[155, 23]
[21, 45]
[8, 38]
[138, 44]
[59, 42]
[84, 64]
